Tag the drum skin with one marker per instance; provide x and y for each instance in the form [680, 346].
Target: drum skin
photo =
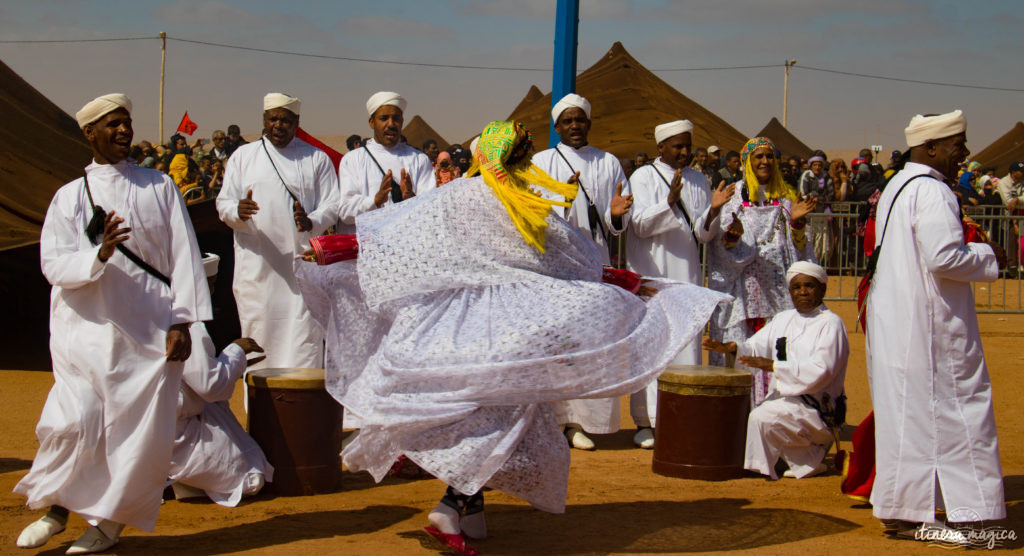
[298, 426]
[701, 422]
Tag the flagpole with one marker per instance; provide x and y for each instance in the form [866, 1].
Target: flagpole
[163, 62]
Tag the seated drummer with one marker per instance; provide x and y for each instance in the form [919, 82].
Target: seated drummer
[806, 349]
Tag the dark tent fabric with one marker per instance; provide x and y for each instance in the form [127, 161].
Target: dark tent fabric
[41, 149]
[1003, 151]
[628, 100]
[417, 131]
[784, 140]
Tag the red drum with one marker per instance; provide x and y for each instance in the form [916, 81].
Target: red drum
[298, 425]
[702, 422]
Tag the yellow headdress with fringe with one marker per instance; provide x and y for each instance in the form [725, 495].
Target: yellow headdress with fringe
[776, 188]
[502, 158]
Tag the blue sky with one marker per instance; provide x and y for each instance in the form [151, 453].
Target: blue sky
[977, 43]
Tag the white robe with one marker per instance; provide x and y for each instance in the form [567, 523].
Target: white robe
[270, 307]
[934, 426]
[662, 243]
[451, 338]
[754, 272]
[106, 430]
[817, 349]
[600, 174]
[212, 452]
[359, 177]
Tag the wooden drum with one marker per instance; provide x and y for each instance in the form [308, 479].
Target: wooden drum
[702, 422]
[298, 425]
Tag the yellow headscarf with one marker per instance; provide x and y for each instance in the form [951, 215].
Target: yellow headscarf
[776, 188]
[502, 158]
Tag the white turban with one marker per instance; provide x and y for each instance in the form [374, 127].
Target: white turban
[210, 262]
[385, 98]
[925, 128]
[101, 106]
[671, 129]
[810, 269]
[571, 100]
[278, 100]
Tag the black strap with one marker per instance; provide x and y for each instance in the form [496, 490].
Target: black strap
[873, 259]
[396, 190]
[592, 214]
[679, 203]
[100, 215]
[263, 142]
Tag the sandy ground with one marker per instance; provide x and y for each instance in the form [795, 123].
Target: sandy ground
[616, 504]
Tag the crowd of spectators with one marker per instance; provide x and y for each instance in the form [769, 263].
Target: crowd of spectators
[198, 169]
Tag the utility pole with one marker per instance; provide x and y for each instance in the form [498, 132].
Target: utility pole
[563, 76]
[163, 61]
[785, 91]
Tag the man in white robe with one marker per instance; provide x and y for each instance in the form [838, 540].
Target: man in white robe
[119, 334]
[806, 350]
[675, 210]
[278, 192]
[600, 209]
[935, 432]
[385, 170]
[213, 455]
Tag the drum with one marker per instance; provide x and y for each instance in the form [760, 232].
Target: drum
[702, 422]
[298, 425]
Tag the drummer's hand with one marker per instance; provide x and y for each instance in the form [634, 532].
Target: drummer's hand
[309, 255]
[179, 342]
[248, 345]
[715, 345]
[762, 363]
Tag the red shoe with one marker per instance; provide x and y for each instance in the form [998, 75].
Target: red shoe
[457, 543]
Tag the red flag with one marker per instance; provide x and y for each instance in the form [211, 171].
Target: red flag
[334, 155]
[187, 126]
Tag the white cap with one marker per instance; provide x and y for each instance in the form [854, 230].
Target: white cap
[671, 129]
[101, 106]
[210, 262]
[279, 100]
[385, 98]
[926, 128]
[713, 149]
[571, 100]
[810, 269]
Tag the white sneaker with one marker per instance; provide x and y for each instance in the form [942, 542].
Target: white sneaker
[39, 531]
[579, 440]
[95, 540]
[644, 438]
[818, 470]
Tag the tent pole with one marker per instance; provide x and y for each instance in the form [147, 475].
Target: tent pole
[563, 78]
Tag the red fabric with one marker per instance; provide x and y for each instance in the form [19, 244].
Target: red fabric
[625, 279]
[187, 126]
[334, 248]
[334, 155]
[755, 324]
[858, 468]
[456, 543]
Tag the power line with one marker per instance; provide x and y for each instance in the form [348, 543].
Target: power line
[504, 68]
[900, 79]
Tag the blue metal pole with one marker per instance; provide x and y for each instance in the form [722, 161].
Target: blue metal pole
[563, 78]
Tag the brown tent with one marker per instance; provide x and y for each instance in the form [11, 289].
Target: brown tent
[784, 140]
[628, 100]
[41, 149]
[1003, 151]
[417, 131]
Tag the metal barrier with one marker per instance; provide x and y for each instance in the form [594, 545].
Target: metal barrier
[840, 250]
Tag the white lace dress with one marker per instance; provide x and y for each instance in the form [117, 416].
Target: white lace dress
[754, 272]
[450, 337]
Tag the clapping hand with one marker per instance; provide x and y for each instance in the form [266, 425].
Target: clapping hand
[620, 203]
[302, 221]
[247, 207]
